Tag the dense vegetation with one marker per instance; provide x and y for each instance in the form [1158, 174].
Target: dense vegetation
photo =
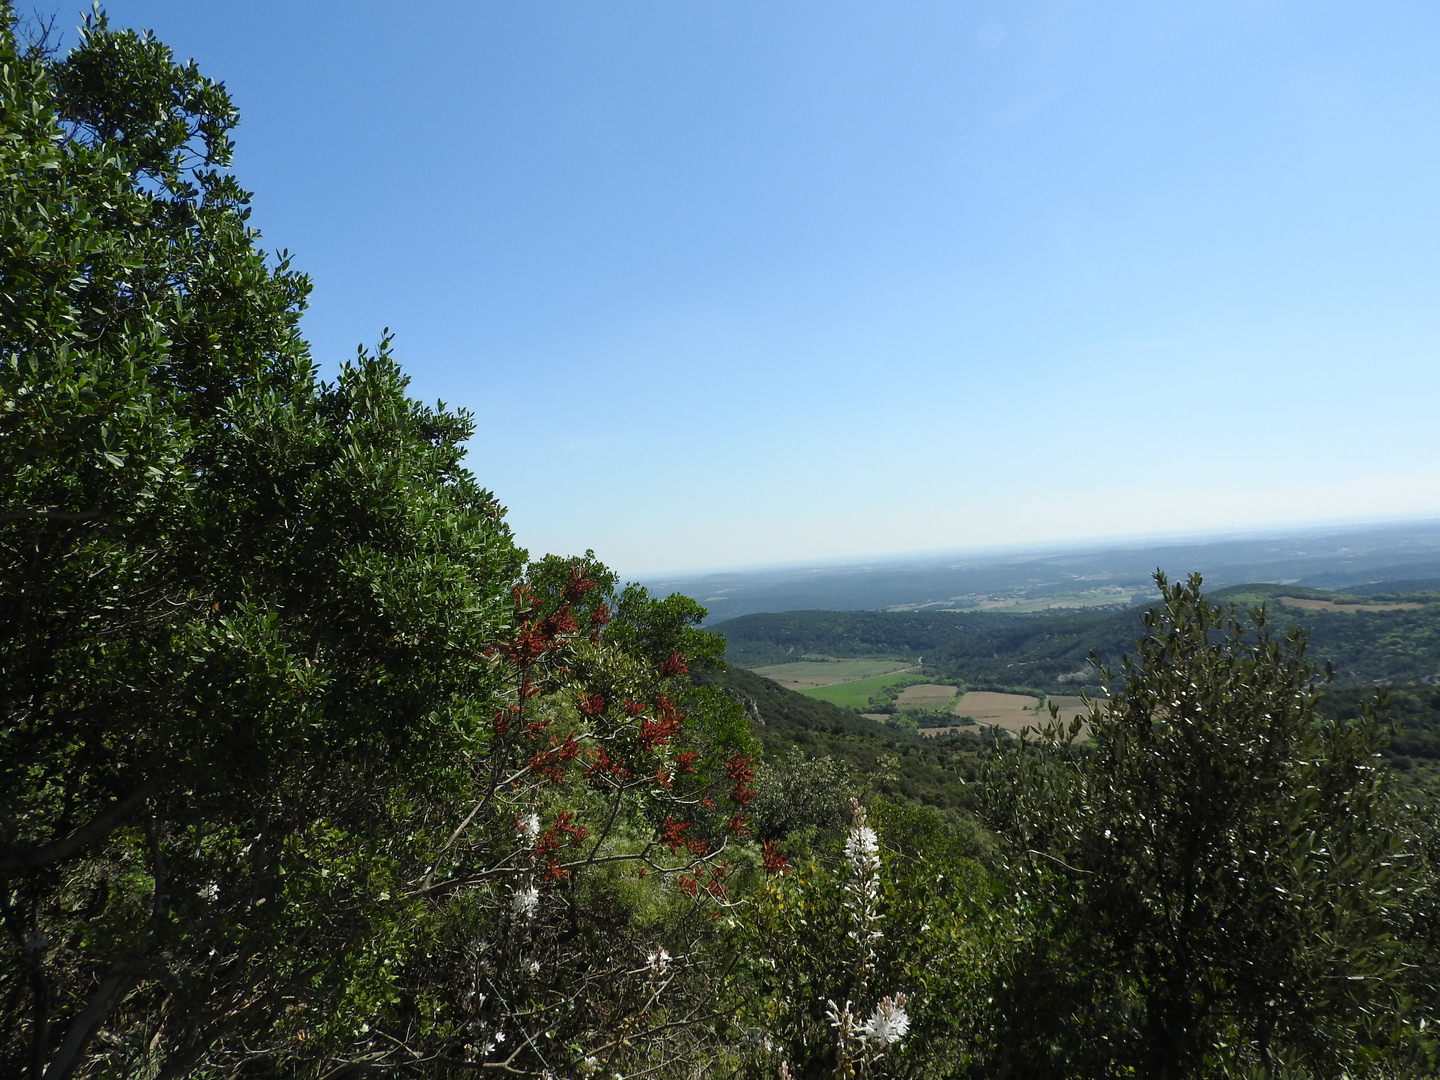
[1052, 651]
[306, 769]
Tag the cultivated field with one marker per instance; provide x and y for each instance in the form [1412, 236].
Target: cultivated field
[1102, 596]
[926, 696]
[1330, 605]
[808, 674]
[856, 695]
[1010, 711]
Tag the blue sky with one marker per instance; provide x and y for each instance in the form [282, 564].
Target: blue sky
[730, 282]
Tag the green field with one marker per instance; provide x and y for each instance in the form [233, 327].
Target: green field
[804, 675]
[856, 695]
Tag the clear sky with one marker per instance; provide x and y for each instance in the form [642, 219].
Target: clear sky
[734, 282]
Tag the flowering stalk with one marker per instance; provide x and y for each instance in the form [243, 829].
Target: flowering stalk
[858, 1042]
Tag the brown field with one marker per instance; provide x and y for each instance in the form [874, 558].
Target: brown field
[1330, 605]
[926, 696]
[1070, 706]
[1009, 711]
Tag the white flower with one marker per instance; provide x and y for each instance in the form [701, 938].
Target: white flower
[210, 892]
[839, 1018]
[658, 961]
[524, 902]
[528, 827]
[888, 1023]
[590, 1064]
[862, 844]
[532, 967]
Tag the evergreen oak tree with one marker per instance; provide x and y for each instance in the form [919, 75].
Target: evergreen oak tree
[298, 759]
[1210, 883]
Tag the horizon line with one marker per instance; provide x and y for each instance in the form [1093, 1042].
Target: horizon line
[1177, 538]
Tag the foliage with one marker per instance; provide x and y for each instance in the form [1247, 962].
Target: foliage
[827, 943]
[1050, 651]
[897, 765]
[1212, 879]
[276, 689]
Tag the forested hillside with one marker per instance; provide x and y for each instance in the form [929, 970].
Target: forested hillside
[1050, 650]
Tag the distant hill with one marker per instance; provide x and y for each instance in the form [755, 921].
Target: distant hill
[1352, 559]
[1050, 651]
[1043, 650]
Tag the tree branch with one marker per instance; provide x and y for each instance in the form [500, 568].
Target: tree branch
[13, 858]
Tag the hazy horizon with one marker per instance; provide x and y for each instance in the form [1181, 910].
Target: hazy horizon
[1024, 549]
[1356, 556]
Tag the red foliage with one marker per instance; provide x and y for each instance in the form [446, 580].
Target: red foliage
[551, 762]
[598, 618]
[664, 727]
[503, 718]
[775, 863]
[655, 733]
[549, 842]
[578, 585]
[674, 664]
[527, 645]
[592, 704]
[672, 833]
[602, 762]
[576, 833]
[559, 622]
[739, 770]
[523, 601]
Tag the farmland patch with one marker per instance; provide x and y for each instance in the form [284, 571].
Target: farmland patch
[807, 674]
[856, 695]
[926, 696]
[1009, 711]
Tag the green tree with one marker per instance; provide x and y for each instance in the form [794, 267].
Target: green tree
[1212, 879]
[276, 685]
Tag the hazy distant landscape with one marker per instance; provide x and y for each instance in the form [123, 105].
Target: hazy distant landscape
[1114, 575]
[960, 646]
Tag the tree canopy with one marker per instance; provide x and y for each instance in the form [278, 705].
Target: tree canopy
[261, 636]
